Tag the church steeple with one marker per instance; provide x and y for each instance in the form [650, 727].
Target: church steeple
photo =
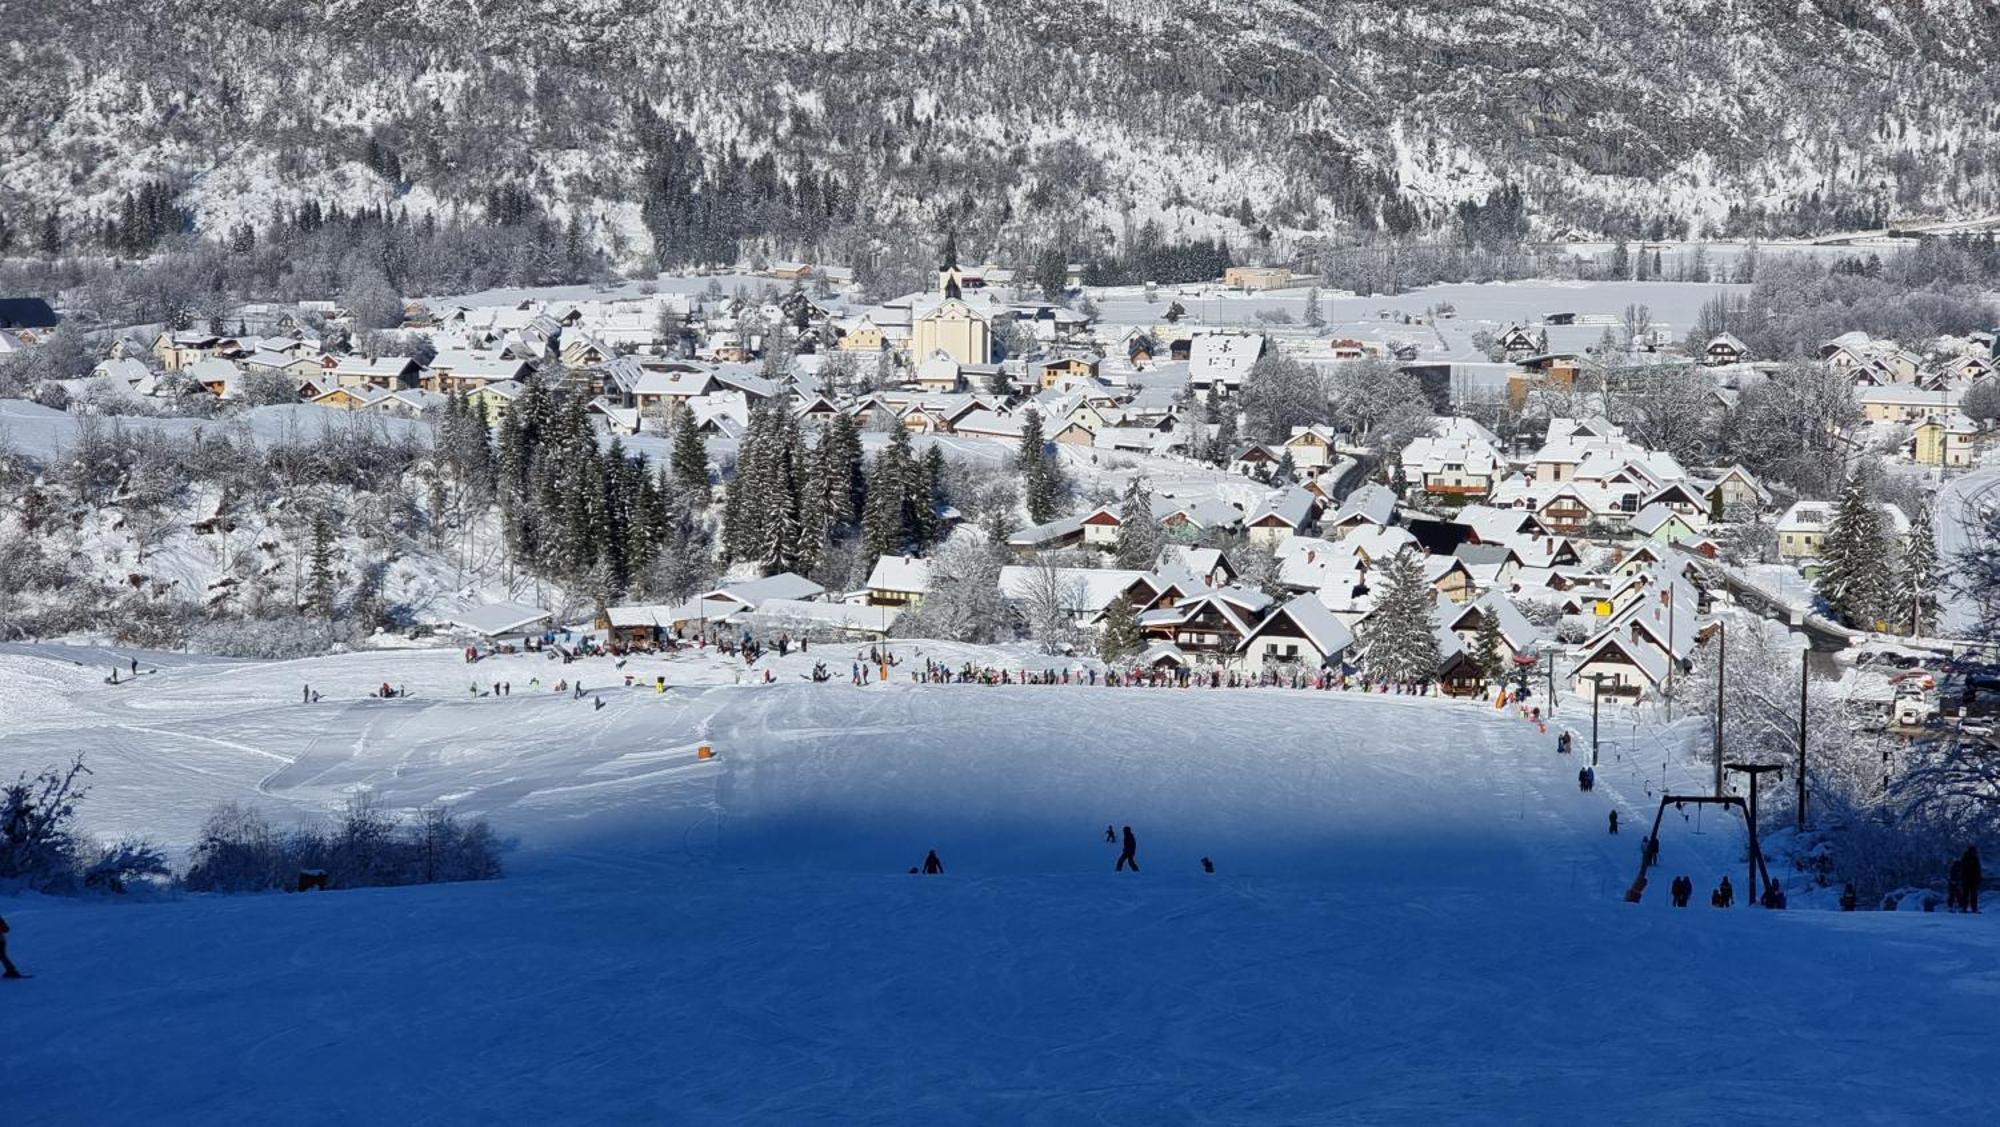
[948, 272]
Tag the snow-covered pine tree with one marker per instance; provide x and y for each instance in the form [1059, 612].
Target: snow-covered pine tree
[1041, 482]
[1489, 648]
[779, 485]
[927, 498]
[320, 586]
[1121, 637]
[1315, 313]
[1854, 557]
[689, 460]
[885, 530]
[1916, 597]
[1398, 639]
[850, 484]
[1140, 534]
[1223, 443]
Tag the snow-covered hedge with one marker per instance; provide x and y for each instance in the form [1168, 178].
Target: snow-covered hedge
[240, 851]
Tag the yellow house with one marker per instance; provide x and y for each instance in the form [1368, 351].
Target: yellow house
[1946, 440]
[350, 398]
[496, 398]
[863, 335]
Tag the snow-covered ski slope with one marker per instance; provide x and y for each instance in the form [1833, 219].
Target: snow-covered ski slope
[1414, 918]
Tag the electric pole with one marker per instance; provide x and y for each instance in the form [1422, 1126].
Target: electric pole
[1721, 671]
[1805, 671]
[1596, 694]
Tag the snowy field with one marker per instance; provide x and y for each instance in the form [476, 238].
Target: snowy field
[1414, 918]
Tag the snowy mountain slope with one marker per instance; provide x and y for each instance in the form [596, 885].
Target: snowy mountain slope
[1414, 919]
[1017, 119]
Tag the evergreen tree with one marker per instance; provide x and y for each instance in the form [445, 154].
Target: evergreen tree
[1121, 637]
[1916, 599]
[1287, 471]
[1315, 317]
[1223, 444]
[689, 460]
[1140, 534]
[844, 471]
[1398, 638]
[886, 525]
[1489, 648]
[320, 588]
[927, 499]
[1853, 557]
[1041, 480]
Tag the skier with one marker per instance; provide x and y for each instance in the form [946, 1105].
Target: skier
[1207, 866]
[1849, 898]
[1130, 855]
[305, 694]
[12, 970]
[1583, 778]
[1725, 894]
[933, 866]
[1614, 821]
[1110, 835]
[135, 667]
[1970, 876]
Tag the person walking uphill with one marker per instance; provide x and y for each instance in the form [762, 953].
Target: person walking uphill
[1130, 855]
[932, 866]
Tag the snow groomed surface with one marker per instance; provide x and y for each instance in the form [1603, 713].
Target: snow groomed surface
[1415, 915]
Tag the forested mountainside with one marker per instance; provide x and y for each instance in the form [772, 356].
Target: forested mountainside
[688, 130]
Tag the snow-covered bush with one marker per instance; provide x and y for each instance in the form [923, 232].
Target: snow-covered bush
[119, 865]
[240, 851]
[39, 846]
[274, 639]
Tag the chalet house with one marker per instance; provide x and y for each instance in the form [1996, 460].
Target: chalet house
[1251, 459]
[495, 399]
[1301, 633]
[1101, 525]
[899, 581]
[1211, 626]
[1311, 447]
[861, 334]
[455, 370]
[1287, 512]
[1196, 515]
[1051, 373]
[351, 398]
[1205, 567]
[1075, 434]
[1372, 505]
[1254, 279]
[939, 373]
[1682, 497]
[1449, 576]
[1738, 486]
[1518, 636]
[1664, 525]
[1723, 349]
[1621, 668]
[176, 351]
[1517, 341]
[388, 372]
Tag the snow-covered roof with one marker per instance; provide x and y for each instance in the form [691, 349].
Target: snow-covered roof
[900, 573]
[1373, 503]
[1087, 589]
[784, 585]
[1314, 619]
[860, 618]
[1290, 507]
[493, 620]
